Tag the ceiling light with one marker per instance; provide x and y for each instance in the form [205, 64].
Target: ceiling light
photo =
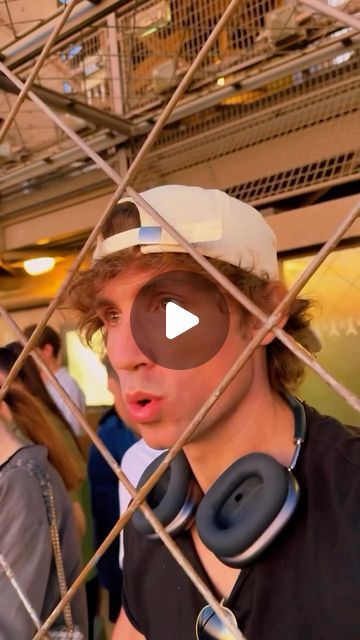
[37, 266]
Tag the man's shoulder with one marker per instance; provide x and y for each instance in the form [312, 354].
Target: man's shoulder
[66, 379]
[329, 470]
[329, 437]
[63, 374]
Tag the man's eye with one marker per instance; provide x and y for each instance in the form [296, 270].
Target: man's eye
[111, 317]
[164, 301]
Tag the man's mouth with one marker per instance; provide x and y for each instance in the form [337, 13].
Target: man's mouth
[143, 407]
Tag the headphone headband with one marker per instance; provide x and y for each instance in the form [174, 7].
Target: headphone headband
[298, 410]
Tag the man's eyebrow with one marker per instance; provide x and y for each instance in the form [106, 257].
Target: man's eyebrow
[151, 288]
[164, 284]
[103, 302]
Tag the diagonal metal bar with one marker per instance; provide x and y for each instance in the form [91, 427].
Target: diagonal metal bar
[138, 496]
[10, 18]
[23, 597]
[40, 61]
[153, 135]
[122, 182]
[269, 325]
[175, 551]
[294, 346]
[216, 606]
[55, 118]
[332, 12]
[119, 526]
[231, 374]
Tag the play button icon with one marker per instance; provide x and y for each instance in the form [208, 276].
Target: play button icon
[178, 320]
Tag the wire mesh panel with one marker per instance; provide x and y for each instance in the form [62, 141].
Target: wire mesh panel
[312, 116]
[159, 39]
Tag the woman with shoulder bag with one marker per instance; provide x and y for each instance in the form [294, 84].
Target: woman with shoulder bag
[39, 545]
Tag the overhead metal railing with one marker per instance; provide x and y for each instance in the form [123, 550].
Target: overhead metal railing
[258, 74]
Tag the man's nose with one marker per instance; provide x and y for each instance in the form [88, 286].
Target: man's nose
[123, 352]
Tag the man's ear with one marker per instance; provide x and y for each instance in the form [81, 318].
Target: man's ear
[47, 351]
[275, 292]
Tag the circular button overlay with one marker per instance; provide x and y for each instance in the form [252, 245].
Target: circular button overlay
[180, 319]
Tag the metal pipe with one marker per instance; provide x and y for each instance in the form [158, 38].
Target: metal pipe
[21, 53]
[332, 12]
[61, 102]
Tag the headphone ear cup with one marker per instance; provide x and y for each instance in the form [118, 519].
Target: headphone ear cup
[246, 508]
[174, 498]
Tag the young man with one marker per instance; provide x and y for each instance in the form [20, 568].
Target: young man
[49, 345]
[305, 584]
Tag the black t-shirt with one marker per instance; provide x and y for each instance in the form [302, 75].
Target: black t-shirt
[305, 586]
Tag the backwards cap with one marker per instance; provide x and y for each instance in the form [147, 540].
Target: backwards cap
[219, 226]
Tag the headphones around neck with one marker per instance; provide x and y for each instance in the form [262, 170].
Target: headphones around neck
[241, 513]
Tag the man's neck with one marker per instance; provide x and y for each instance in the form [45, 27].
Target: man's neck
[53, 366]
[263, 423]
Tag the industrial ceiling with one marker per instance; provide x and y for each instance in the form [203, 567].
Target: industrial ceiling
[272, 115]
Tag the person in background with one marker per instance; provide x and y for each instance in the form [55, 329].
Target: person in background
[30, 451]
[30, 380]
[134, 462]
[104, 489]
[49, 347]
[33, 427]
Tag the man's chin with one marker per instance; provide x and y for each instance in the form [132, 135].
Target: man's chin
[157, 438]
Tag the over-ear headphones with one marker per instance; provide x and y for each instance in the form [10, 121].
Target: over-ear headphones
[241, 513]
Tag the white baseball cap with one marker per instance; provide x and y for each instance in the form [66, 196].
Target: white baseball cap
[218, 225]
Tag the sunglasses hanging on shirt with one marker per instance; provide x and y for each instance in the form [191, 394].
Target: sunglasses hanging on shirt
[210, 627]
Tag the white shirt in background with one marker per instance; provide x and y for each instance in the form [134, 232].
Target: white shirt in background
[133, 464]
[76, 394]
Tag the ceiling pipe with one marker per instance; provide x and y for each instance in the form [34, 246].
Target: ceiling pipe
[332, 12]
[26, 49]
[64, 103]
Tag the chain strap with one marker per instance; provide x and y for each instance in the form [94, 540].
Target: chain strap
[49, 501]
[54, 533]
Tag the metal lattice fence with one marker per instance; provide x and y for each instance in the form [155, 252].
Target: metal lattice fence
[123, 183]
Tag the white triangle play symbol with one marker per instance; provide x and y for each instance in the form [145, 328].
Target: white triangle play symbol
[178, 320]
